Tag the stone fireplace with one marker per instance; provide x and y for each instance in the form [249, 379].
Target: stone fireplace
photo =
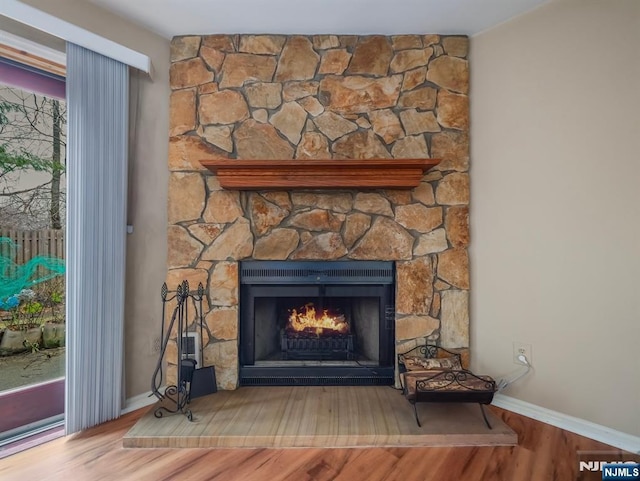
[273, 97]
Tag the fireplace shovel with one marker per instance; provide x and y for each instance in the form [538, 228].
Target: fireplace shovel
[204, 382]
[204, 378]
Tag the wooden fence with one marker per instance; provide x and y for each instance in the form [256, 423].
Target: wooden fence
[32, 243]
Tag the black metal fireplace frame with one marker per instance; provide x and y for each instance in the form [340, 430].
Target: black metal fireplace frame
[317, 279]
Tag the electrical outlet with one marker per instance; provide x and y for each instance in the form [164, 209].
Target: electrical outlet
[155, 346]
[521, 349]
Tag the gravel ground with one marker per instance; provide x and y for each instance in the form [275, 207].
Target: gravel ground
[31, 368]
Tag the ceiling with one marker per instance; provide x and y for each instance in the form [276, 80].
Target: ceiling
[386, 17]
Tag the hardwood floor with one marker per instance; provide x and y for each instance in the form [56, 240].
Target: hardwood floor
[544, 453]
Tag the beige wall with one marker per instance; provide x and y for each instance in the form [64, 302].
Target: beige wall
[147, 246]
[555, 249]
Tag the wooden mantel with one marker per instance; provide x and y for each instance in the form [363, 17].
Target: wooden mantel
[240, 174]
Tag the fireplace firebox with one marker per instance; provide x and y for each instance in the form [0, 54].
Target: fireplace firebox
[317, 323]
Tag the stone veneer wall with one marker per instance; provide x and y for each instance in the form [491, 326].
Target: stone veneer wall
[318, 97]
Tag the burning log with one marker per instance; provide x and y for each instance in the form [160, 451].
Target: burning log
[307, 320]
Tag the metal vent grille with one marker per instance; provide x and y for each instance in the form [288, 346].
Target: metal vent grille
[316, 381]
[312, 272]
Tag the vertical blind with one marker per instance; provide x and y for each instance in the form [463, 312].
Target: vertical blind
[97, 106]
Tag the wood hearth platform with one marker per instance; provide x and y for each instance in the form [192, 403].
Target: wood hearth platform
[317, 416]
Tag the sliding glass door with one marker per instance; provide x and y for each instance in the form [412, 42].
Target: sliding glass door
[32, 249]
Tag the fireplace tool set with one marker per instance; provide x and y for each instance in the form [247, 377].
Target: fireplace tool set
[190, 381]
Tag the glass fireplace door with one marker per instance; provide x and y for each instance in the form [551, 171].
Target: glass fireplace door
[332, 332]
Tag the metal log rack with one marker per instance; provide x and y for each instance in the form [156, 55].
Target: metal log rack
[311, 347]
[176, 398]
[448, 385]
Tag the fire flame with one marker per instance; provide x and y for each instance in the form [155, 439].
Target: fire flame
[306, 319]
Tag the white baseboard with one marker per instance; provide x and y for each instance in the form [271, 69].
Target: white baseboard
[140, 401]
[606, 435]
